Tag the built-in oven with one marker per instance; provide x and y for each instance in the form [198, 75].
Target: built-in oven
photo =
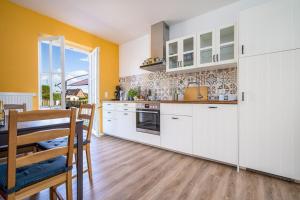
[148, 118]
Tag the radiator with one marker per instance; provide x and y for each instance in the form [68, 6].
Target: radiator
[17, 98]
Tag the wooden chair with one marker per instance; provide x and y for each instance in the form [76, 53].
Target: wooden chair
[86, 113]
[15, 107]
[23, 149]
[22, 177]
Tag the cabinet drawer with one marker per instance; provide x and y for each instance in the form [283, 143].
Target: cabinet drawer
[176, 109]
[108, 114]
[125, 109]
[108, 106]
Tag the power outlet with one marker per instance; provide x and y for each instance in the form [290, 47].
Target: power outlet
[105, 94]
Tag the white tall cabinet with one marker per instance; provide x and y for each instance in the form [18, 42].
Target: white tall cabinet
[215, 134]
[269, 88]
[271, 27]
[270, 113]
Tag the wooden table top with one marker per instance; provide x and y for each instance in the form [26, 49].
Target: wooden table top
[36, 125]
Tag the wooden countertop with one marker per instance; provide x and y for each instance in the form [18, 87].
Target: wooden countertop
[179, 102]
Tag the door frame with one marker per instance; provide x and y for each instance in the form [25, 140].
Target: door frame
[61, 39]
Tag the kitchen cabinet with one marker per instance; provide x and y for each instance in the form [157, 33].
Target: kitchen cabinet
[176, 133]
[109, 126]
[176, 127]
[270, 112]
[119, 120]
[180, 53]
[125, 126]
[108, 118]
[215, 132]
[209, 48]
[270, 27]
[217, 46]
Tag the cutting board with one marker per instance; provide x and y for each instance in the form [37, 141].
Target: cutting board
[191, 93]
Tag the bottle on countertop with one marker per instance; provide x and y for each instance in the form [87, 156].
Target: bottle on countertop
[2, 114]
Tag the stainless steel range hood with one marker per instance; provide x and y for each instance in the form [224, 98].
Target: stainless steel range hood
[159, 36]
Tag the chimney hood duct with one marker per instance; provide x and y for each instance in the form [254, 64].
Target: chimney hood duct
[159, 36]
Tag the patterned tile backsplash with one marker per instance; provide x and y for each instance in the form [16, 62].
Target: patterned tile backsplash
[163, 83]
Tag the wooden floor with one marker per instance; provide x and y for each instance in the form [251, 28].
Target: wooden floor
[127, 170]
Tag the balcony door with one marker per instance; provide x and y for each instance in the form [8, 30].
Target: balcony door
[52, 87]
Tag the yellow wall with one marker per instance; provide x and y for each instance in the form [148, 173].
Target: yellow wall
[19, 32]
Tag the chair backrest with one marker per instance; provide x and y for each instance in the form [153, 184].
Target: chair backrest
[87, 112]
[14, 140]
[15, 107]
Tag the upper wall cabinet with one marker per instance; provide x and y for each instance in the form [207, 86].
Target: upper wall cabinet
[209, 48]
[181, 53]
[271, 27]
[216, 47]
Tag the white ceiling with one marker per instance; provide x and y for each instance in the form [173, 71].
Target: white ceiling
[121, 20]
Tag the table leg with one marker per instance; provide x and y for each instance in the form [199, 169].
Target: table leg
[79, 164]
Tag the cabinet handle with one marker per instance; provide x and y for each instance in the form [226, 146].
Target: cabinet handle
[212, 107]
[217, 57]
[214, 58]
[125, 104]
[175, 118]
[109, 104]
[108, 112]
[109, 120]
[243, 96]
[125, 108]
[125, 113]
[242, 49]
[177, 63]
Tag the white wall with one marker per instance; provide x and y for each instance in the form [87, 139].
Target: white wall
[132, 54]
[220, 17]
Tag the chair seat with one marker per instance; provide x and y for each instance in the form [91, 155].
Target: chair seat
[31, 174]
[50, 144]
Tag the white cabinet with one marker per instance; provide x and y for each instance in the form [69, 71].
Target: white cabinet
[270, 27]
[217, 46]
[215, 132]
[119, 119]
[180, 53]
[108, 118]
[109, 126]
[176, 133]
[270, 113]
[126, 125]
[176, 127]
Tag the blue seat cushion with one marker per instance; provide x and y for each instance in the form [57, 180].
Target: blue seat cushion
[58, 142]
[31, 174]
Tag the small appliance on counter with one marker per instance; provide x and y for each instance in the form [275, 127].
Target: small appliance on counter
[2, 114]
[196, 93]
[118, 92]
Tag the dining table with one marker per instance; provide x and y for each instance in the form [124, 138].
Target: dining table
[28, 127]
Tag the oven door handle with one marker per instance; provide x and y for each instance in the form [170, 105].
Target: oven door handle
[143, 111]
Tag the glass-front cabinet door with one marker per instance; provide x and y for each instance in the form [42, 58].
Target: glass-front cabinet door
[205, 48]
[226, 44]
[181, 53]
[172, 55]
[188, 53]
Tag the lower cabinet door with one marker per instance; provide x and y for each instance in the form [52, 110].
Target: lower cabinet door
[215, 132]
[108, 126]
[126, 125]
[176, 133]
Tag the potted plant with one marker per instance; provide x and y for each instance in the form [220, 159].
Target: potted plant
[131, 94]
